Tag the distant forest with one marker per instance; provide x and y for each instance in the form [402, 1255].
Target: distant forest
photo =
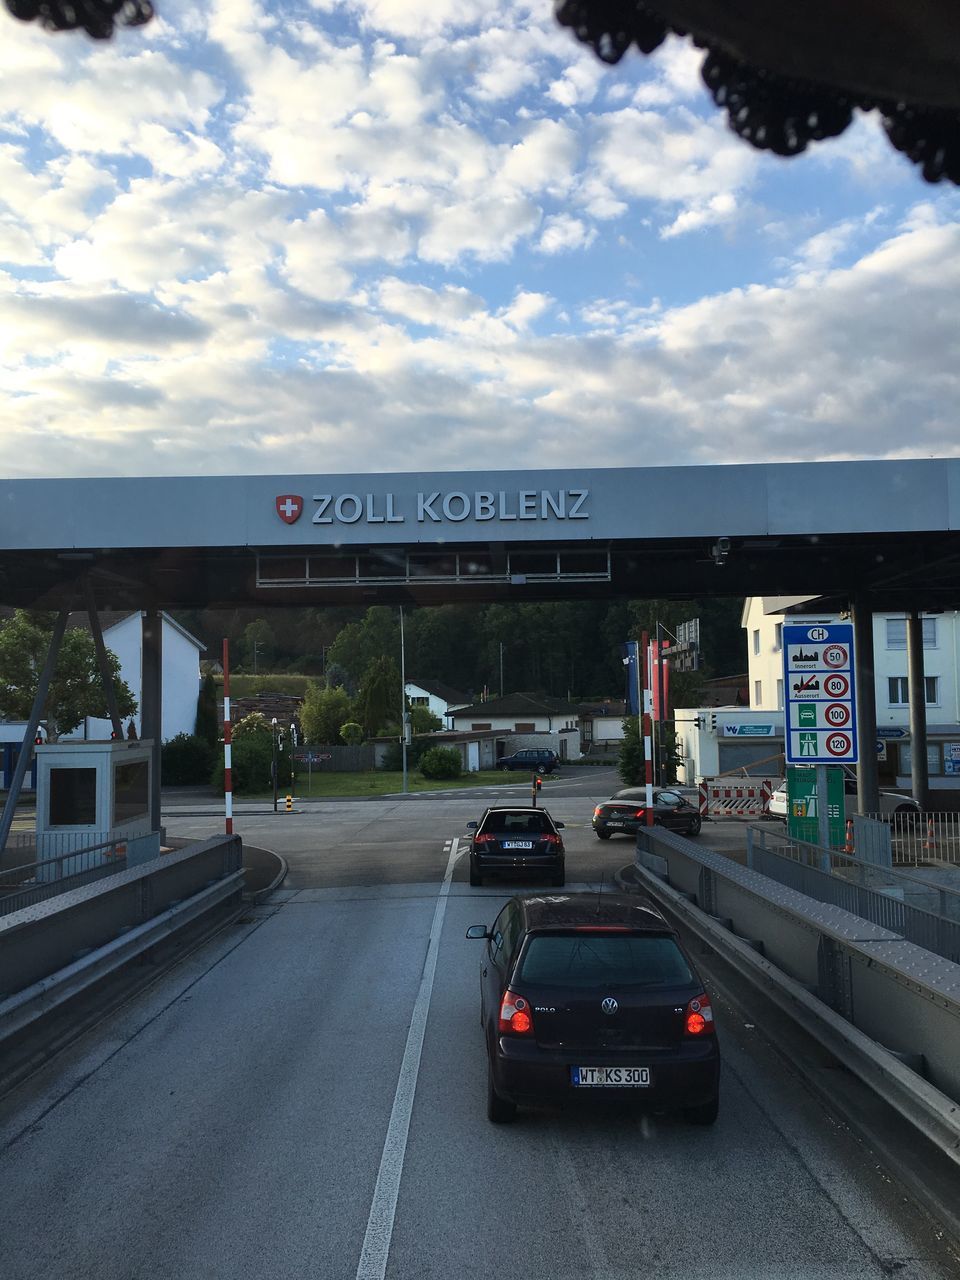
[559, 649]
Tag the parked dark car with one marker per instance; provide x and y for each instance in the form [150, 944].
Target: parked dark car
[533, 760]
[592, 996]
[516, 839]
[625, 811]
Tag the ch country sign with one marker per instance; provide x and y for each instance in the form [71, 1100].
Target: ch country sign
[437, 506]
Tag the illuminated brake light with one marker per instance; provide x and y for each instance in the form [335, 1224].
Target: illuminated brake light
[698, 1017]
[598, 810]
[641, 813]
[484, 837]
[515, 1018]
[549, 838]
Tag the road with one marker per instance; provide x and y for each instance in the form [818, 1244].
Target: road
[303, 1096]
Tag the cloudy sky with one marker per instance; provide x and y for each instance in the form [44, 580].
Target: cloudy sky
[389, 235]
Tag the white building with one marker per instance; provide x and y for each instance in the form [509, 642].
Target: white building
[716, 740]
[533, 721]
[123, 635]
[437, 697]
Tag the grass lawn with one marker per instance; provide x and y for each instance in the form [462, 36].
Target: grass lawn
[380, 783]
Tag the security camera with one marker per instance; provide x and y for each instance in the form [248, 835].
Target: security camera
[720, 550]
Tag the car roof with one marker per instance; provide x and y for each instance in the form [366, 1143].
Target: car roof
[562, 910]
[516, 808]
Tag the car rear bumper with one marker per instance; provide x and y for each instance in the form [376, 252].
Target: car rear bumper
[489, 863]
[526, 1074]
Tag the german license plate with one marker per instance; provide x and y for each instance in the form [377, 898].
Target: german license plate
[610, 1077]
[616, 824]
[518, 844]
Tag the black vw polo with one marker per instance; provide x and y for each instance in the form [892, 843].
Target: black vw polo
[591, 996]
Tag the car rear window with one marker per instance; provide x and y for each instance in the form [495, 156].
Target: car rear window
[518, 823]
[603, 960]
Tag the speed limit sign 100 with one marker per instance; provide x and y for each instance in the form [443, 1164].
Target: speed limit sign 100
[837, 715]
[836, 686]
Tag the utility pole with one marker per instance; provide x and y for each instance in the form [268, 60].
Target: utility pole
[501, 668]
[404, 714]
[273, 724]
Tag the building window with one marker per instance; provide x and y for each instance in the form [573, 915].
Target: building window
[756, 642]
[779, 695]
[758, 693]
[522, 727]
[779, 634]
[899, 691]
[481, 726]
[419, 702]
[897, 633]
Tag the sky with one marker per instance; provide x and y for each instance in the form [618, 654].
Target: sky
[379, 235]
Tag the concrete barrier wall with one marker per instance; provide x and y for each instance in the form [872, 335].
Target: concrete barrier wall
[900, 995]
[42, 939]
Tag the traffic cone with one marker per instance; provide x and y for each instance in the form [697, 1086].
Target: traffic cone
[849, 843]
[931, 840]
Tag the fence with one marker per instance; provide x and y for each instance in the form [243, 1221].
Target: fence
[38, 879]
[922, 911]
[926, 838]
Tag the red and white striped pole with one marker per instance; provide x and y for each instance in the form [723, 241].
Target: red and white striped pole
[227, 750]
[646, 698]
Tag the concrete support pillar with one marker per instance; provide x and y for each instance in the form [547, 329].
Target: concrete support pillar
[152, 701]
[868, 773]
[919, 776]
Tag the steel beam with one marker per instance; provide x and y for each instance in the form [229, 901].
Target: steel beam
[919, 770]
[868, 772]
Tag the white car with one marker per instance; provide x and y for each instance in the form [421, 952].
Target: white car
[891, 803]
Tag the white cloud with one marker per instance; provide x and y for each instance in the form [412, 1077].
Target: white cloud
[562, 233]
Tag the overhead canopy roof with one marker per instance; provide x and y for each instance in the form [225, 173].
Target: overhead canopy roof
[769, 529]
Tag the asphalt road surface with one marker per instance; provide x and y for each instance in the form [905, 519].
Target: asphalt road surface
[303, 1096]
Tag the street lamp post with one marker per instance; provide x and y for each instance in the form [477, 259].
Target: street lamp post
[273, 724]
[404, 716]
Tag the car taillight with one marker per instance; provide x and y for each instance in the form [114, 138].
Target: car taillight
[698, 1017]
[598, 810]
[549, 838]
[484, 837]
[641, 813]
[515, 1015]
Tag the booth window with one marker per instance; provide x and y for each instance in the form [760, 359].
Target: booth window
[131, 787]
[73, 798]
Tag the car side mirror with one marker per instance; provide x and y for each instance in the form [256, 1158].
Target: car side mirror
[478, 931]
[559, 825]
[472, 826]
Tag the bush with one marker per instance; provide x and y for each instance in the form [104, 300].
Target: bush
[186, 761]
[392, 759]
[441, 762]
[252, 759]
[352, 733]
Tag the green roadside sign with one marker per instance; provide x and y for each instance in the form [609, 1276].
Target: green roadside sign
[803, 814]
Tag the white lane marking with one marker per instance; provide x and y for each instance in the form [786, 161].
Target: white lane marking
[376, 1241]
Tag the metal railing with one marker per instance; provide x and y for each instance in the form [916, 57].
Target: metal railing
[928, 838]
[42, 878]
[917, 908]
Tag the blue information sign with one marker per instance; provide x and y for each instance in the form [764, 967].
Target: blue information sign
[820, 693]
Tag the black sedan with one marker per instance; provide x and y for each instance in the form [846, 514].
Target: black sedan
[624, 812]
[591, 997]
[516, 839]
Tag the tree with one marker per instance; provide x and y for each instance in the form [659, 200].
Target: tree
[422, 720]
[323, 712]
[361, 643]
[76, 690]
[352, 733]
[378, 702]
[208, 721]
[631, 761]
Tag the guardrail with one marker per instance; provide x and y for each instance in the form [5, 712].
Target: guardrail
[877, 1001]
[925, 913]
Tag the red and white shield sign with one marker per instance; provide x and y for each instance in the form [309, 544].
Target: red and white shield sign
[289, 507]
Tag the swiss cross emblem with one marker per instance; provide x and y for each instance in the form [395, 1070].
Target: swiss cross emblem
[289, 507]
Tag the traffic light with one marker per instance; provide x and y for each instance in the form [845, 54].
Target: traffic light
[713, 721]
